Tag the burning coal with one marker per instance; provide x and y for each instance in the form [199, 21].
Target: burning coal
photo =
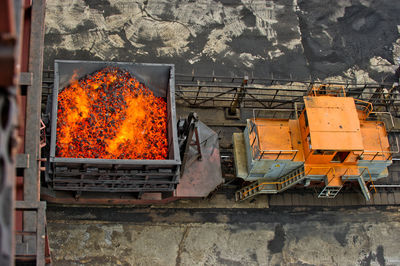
[111, 115]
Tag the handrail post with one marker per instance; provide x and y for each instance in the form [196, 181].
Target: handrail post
[252, 126]
[294, 156]
[370, 179]
[258, 139]
[254, 140]
[279, 154]
[329, 169]
[376, 154]
[372, 182]
[346, 172]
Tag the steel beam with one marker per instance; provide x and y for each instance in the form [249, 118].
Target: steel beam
[34, 221]
[39, 232]
[33, 104]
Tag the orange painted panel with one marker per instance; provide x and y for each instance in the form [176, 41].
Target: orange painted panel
[319, 159]
[334, 172]
[333, 123]
[375, 140]
[274, 134]
[295, 136]
[279, 139]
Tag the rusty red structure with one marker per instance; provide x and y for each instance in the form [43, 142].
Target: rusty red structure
[22, 36]
[9, 42]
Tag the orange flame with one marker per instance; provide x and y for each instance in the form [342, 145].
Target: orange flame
[111, 115]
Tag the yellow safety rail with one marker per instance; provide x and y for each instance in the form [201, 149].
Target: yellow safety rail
[270, 183]
[370, 178]
[369, 174]
[314, 167]
[367, 107]
[279, 183]
[329, 169]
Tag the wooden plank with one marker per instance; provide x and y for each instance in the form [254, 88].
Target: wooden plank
[396, 195]
[348, 199]
[384, 198]
[340, 199]
[297, 200]
[391, 199]
[337, 201]
[287, 199]
[358, 199]
[276, 200]
[308, 199]
[315, 200]
[376, 199]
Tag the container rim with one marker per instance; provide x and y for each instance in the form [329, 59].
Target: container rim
[171, 93]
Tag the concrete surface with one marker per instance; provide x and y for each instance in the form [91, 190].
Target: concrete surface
[278, 236]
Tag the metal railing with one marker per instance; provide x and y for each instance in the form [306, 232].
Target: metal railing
[378, 153]
[370, 181]
[256, 113]
[272, 183]
[330, 168]
[364, 106]
[270, 95]
[370, 178]
[382, 152]
[220, 91]
[328, 90]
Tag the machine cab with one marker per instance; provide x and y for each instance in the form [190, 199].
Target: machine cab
[330, 130]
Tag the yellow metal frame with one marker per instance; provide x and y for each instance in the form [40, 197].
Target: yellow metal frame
[270, 183]
[367, 107]
[279, 183]
[370, 177]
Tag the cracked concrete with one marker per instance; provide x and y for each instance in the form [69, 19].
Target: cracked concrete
[181, 247]
[279, 236]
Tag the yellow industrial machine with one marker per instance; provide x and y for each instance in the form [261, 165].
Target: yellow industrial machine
[333, 141]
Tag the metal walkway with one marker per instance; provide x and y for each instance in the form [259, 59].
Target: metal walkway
[271, 93]
[263, 186]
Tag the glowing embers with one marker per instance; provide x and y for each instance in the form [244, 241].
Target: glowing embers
[110, 115]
